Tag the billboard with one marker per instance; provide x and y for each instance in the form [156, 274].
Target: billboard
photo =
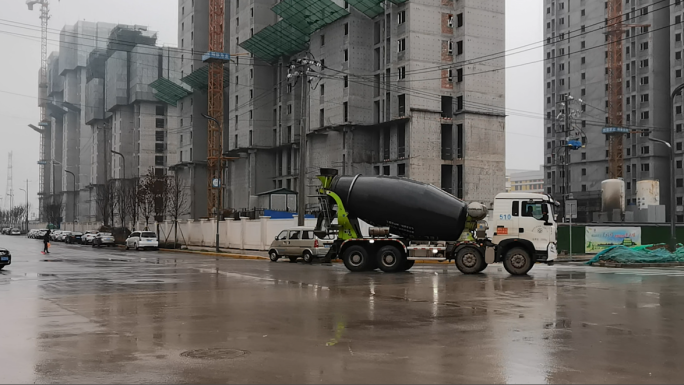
[597, 239]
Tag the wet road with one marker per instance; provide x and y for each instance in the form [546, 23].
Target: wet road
[105, 316]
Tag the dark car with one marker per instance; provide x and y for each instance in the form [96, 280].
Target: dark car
[5, 258]
[74, 238]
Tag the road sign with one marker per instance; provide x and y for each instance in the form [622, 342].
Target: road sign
[216, 183]
[571, 209]
[615, 130]
[216, 56]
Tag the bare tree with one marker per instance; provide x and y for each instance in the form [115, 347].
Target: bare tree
[178, 202]
[145, 198]
[121, 200]
[104, 199]
[132, 201]
[52, 209]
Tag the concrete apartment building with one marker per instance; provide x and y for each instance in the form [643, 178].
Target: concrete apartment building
[530, 181]
[101, 99]
[576, 53]
[403, 91]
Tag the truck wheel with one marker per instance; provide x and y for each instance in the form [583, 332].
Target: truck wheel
[272, 255]
[308, 257]
[518, 261]
[390, 259]
[484, 266]
[356, 259]
[469, 260]
[408, 264]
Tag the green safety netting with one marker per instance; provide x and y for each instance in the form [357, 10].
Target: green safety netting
[308, 16]
[275, 41]
[639, 254]
[370, 8]
[199, 79]
[168, 91]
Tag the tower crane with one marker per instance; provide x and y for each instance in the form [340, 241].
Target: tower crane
[43, 81]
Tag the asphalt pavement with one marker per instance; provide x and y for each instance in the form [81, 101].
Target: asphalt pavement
[83, 315]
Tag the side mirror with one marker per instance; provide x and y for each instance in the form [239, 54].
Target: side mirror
[276, 238]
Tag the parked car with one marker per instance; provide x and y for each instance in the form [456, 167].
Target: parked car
[142, 240]
[5, 258]
[54, 234]
[40, 234]
[61, 237]
[5, 230]
[88, 236]
[103, 239]
[298, 242]
[15, 231]
[31, 233]
[73, 237]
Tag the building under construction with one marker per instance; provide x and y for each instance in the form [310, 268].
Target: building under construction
[111, 116]
[401, 88]
[623, 59]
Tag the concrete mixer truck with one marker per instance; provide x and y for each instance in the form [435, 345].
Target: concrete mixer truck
[413, 221]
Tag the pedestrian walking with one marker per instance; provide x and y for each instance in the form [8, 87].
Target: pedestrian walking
[46, 242]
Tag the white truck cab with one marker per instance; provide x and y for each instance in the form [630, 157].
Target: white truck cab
[526, 218]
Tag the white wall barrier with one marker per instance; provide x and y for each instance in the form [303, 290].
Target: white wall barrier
[244, 234]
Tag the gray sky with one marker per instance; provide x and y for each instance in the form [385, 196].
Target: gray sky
[19, 75]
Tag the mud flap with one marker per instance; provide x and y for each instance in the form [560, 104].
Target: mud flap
[332, 253]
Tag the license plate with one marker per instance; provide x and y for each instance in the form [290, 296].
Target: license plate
[148, 240]
[4, 258]
[326, 246]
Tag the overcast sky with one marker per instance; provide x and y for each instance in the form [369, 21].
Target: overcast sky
[20, 40]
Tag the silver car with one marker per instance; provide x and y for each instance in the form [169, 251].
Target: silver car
[299, 242]
[103, 239]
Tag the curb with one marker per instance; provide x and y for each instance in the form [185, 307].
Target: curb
[215, 254]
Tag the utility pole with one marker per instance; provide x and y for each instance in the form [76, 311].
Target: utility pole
[9, 193]
[566, 163]
[217, 183]
[301, 69]
[27, 204]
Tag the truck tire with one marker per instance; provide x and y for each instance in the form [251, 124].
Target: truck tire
[469, 260]
[408, 264]
[356, 259]
[518, 261]
[390, 259]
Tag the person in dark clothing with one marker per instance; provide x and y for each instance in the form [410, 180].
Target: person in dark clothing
[46, 240]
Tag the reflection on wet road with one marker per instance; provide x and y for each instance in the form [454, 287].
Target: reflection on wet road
[103, 316]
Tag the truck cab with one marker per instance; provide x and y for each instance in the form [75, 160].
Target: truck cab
[525, 220]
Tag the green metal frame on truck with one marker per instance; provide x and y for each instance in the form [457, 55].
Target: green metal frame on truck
[346, 229]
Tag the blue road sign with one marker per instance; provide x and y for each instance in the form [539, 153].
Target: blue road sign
[216, 56]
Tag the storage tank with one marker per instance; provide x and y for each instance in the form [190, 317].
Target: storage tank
[648, 193]
[613, 195]
[410, 209]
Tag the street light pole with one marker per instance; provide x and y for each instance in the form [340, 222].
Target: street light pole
[27, 205]
[73, 222]
[123, 162]
[220, 186]
[673, 208]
